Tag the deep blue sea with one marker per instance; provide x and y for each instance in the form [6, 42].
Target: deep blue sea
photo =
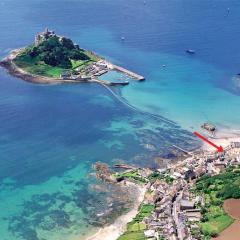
[50, 135]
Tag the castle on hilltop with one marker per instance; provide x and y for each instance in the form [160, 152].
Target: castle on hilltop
[40, 37]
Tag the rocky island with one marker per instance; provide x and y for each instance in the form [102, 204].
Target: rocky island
[53, 59]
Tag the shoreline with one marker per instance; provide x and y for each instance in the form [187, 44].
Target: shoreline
[113, 231]
[18, 72]
[223, 138]
[15, 71]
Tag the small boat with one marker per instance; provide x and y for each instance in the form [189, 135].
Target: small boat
[190, 51]
[123, 38]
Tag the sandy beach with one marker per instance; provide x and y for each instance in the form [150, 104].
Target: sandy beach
[113, 231]
[223, 138]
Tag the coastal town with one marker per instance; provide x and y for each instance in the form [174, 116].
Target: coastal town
[176, 209]
[120, 120]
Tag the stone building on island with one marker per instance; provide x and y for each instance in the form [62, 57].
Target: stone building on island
[40, 37]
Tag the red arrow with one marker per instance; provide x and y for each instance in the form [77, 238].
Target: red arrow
[219, 149]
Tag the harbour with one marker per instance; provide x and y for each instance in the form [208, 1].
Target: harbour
[128, 72]
[47, 188]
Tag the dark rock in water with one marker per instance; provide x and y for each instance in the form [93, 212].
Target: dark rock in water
[29, 234]
[61, 218]
[209, 127]
[47, 225]
[137, 123]
[169, 155]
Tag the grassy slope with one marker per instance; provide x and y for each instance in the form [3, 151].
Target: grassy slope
[216, 224]
[36, 67]
[135, 229]
[215, 190]
[131, 175]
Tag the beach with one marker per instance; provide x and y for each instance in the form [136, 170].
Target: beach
[51, 134]
[113, 231]
[223, 137]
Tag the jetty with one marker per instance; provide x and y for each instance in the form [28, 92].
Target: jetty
[107, 83]
[127, 72]
[181, 149]
[119, 83]
[124, 166]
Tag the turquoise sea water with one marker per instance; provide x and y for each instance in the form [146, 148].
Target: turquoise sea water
[51, 135]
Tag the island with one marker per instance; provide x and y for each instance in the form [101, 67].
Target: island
[57, 59]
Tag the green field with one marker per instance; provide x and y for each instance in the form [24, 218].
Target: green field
[132, 175]
[215, 190]
[139, 235]
[216, 225]
[33, 66]
[156, 175]
[135, 228]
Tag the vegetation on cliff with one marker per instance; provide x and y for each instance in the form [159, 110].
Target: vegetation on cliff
[53, 55]
[135, 228]
[215, 190]
[56, 51]
[131, 175]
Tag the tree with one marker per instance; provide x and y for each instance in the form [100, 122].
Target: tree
[78, 55]
[56, 51]
[34, 52]
[67, 43]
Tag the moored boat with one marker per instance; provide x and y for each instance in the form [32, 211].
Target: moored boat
[190, 51]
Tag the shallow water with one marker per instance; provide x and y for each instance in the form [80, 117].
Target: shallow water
[51, 135]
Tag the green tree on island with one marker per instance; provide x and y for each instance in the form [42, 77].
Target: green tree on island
[56, 51]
